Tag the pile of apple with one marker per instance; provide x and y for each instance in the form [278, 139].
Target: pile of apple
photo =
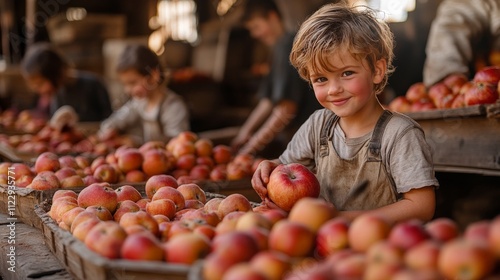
[455, 91]
[23, 121]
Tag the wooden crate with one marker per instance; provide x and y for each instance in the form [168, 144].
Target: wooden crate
[82, 263]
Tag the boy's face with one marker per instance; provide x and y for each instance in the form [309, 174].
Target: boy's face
[347, 87]
[264, 29]
[135, 84]
[40, 85]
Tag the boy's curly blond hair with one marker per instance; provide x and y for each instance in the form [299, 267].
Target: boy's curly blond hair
[339, 27]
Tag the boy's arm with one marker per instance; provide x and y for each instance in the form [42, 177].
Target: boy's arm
[417, 203]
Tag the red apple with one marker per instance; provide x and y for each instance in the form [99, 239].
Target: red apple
[44, 180]
[240, 245]
[218, 173]
[68, 161]
[129, 159]
[135, 176]
[186, 161]
[489, 74]
[332, 236]
[141, 218]
[408, 233]
[68, 217]
[101, 212]
[151, 145]
[366, 230]
[161, 206]
[455, 82]
[127, 192]
[424, 255]
[206, 160]
[100, 194]
[291, 238]
[215, 265]
[200, 172]
[232, 203]
[155, 162]
[243, 271]
[62, 193]
[172, 194]
[481, 93]
[156, 182]
[462, 259]
[106, 173]
[203, 147]
[441, 95]
[312, 212]
[106, 238]
[273, 264]
[384, 252]
[72, 182]
[187, 248]
[290, 182]
[212, 205]
[416, 92]
[47, 161]
[142, 246]
[422, 105]
[251, 220]
[222, 154]
[125, 207]
[81, 229]
[209, 217]
[442, 229]
[192, 191]
[400, 104]
[350, 267]
[478, 231]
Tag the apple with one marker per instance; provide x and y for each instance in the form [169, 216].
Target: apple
[455, 82]
[152, 145]
[441, 95]
[200, 172]
[410, 274]
[416, 92]
[350, 267]
[218, 173]
[273, 264]
[233, 202]
[206, 160]
[275, 215]
[123, 207]
[155, 162]
[98, 161]
[400, 104]
[100, 194]
[135, 176]
[458, 101]
[65, 172]
[68, 217]
[178, 228]
[20, 169]
[243, 271]
[442, 229]
[463, 259]
[478, 231]
[158, 181]
[423, 105]
[481, 93]
[203, 147]
[187, 136]
[90, 179]
[47, 161]
[212, 205]
[215, 265]
[381, 271]
[193, 204]
[290, 182]
[260, 234]
[161, 206]
[106, 238]
[82, 161]
[192, 191]
[181, 148]
[101, 212]
[186, 161]
[81, 229]
[72, 182]
[332, 236]
[62, 193]
[312, 212]
[106, 173]
[129, 159]
[161, 218]
[82, 217]
[172, 194]
[142, 246]
[366, 230]
[44, 180]
[251, 220]
[238, 171]
[423, 256]
[61, 206]
[222, 154]
[238, 245]
[187, 248]
[127, 192]
[68, 161]
[143, 202]
[209, 217]
[141, 218]
[489, 74]
[292, 238]
[408, 233]
[384, 252]
[206, 230]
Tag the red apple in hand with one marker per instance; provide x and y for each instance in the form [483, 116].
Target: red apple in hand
[481, 93]
[290, 182]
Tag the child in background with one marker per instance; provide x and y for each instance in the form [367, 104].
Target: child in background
[56, 84]
[154, 112]
[346, 55]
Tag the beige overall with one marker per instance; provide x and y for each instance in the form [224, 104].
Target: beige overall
[338, 176]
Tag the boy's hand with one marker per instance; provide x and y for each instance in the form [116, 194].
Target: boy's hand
[260, 178]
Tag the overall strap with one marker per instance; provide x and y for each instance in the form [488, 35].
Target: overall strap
[325, 134]
[160, 113]
[376, 140]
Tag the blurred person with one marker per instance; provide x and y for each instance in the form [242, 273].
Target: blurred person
[464, 37]
[285, 100]
[153, 112]
[83, 95]
[346, 54]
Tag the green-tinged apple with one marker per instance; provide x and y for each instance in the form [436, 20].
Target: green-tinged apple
[170, 193]
[127, 192]
[232, 203]
[290, 182]
[125, 207]
[99, 194]
[44, 180]
[332, 236]
[156, 182]
[141, 218]
[366, 230]
[162, 206]
[463, 259]
[106, 238]
[187, 248]
[312, 212]
[142, 246]
[192, 191]
[292, 238]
